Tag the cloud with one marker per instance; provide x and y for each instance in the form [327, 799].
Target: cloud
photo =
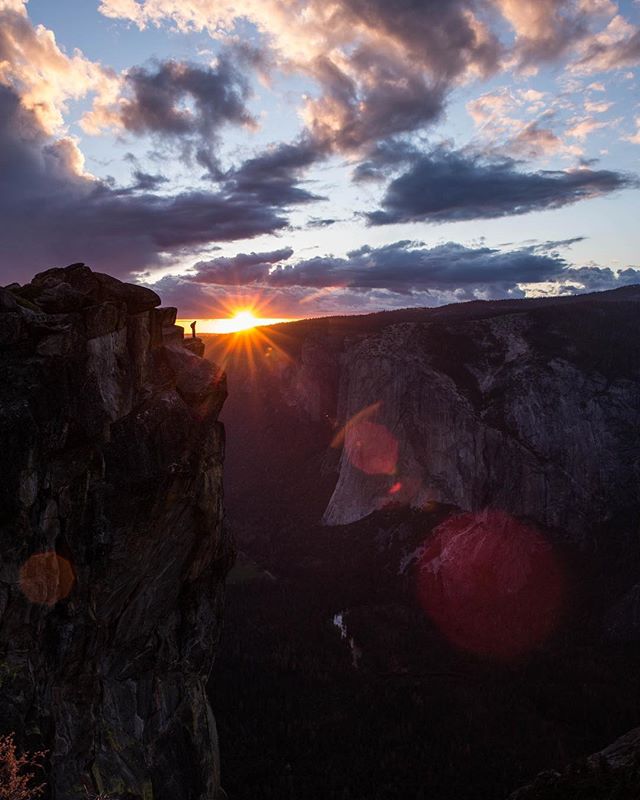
[447, 185]
[273, 176]
[397, 275]
[179, 101]
[54, 213]
[321, 222]
[634, 138]
[445, 36]
[616, 47]
[384, 159]
[593, 107]
[535, 141]
[545, 29]
[145, 181]
[581, 127]
[595, 279]
[386, 67]
[383, 66]
[504, 121]
[368, 279]
[46, 78]
[242, 269]
[407, 266]
[371, 96]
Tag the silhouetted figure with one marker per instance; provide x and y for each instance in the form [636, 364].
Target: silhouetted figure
[193, 329]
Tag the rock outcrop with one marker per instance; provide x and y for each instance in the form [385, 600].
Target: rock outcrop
[112, 540]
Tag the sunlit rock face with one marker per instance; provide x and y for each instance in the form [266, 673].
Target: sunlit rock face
[534, 412]
[111, 536]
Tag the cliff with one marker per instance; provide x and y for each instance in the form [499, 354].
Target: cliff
[112, 540]
[534, 411]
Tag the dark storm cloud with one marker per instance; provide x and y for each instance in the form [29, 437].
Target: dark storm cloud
[186, 102]
[52, 213]
[446, 186]
[406, 266]
[244, 268]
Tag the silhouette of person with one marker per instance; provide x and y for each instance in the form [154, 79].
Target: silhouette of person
[193, 329]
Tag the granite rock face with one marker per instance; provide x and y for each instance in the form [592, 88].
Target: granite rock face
[112, 541]
[535, 412]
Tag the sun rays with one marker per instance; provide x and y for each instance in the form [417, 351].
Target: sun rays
[243, 334]
[244, 319]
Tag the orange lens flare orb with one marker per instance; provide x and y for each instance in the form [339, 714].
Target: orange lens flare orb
[46, 578]
[491, 584]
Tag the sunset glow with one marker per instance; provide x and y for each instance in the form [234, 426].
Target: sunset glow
[242, 320]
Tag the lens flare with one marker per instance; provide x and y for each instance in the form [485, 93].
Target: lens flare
[369, 446]
[492, 584]
[46, 578]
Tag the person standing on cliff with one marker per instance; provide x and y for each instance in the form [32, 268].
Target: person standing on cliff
[193, 329]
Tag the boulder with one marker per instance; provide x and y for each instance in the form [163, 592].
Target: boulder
[7, 301]
[79, 281]
[196, 379]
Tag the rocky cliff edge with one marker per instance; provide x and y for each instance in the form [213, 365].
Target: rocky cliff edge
[112, 541]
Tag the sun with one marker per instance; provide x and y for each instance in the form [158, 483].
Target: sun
[243, 320]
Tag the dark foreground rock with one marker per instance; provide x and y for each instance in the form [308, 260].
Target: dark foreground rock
[111, 538]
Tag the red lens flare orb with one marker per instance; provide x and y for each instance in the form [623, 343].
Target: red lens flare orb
[46, 578]
[368, 445]
[491, 584]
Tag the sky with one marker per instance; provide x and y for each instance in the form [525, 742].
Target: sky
[311, 157]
